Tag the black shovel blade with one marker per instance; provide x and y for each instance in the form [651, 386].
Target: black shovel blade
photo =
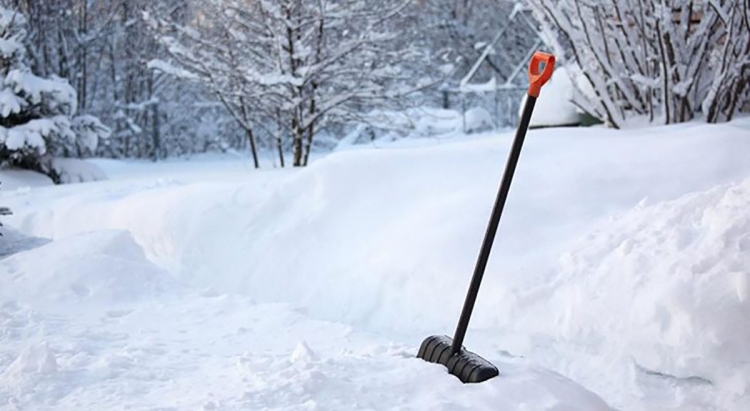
[465, 365]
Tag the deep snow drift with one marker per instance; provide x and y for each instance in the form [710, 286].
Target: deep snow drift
[639, 301]
[666, 286]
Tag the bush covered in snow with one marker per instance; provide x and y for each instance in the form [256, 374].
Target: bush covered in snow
[665, 60]
[37, 115]
[553, 106]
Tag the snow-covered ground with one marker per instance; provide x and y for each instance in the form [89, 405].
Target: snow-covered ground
[621, 269]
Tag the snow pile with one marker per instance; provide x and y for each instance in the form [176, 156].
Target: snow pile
[669, 284]
[13, 178]
[13, 241]
[33, 360]
[478, 119]
[553, 106]
[77, 333]
[385, 240]
[72, 170]
[98, 267]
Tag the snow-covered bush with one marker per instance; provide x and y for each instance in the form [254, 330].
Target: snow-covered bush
[37, 114]
[553, 107]
[666, 60]
[73, 170]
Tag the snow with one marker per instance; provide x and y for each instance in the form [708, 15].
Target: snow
[89, 130]
[90, 323]
[10, 47]
[72, 170]
[10, 103]
[489, 86]
[674, 301]
[665, 285]
[620, 269]
[554, 105]
[478, 119]
[99, 268]
[29, 135]
[170, 69]
[12, 178]
[34, 359]
[57, 94]
[422, 122]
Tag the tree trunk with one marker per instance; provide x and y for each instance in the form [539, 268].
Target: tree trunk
[83, 63]
[297, 142]
[279, 143]
[310, 128]
[308, 143]
[249, 132]
[155, 129]
[251, 139]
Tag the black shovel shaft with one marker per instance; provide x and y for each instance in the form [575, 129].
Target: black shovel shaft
[489, 236]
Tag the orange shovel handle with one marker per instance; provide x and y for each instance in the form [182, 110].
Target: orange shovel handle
[539, 77]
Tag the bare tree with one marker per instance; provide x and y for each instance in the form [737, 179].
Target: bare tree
[294, 66]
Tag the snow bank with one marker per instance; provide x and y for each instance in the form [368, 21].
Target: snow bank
[669, 285]
[373, 233]
[386, 239]
[227, 353]
[77, 331]
[13, 178]
[553, 106]
[71, 170]
[98, 267]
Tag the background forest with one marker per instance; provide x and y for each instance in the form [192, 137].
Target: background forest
[159, 78]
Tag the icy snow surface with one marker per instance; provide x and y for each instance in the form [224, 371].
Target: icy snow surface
[621, 263]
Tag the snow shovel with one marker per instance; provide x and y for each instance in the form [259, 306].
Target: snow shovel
[441, 349]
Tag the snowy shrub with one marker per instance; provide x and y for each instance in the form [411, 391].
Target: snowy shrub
[37, 114]
[73, 170]
[666, 60]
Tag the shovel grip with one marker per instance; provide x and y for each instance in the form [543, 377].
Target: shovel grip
[538, 77]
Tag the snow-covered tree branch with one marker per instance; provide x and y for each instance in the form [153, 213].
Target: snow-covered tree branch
[667, 60]
[37, 115]
[293, 64]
